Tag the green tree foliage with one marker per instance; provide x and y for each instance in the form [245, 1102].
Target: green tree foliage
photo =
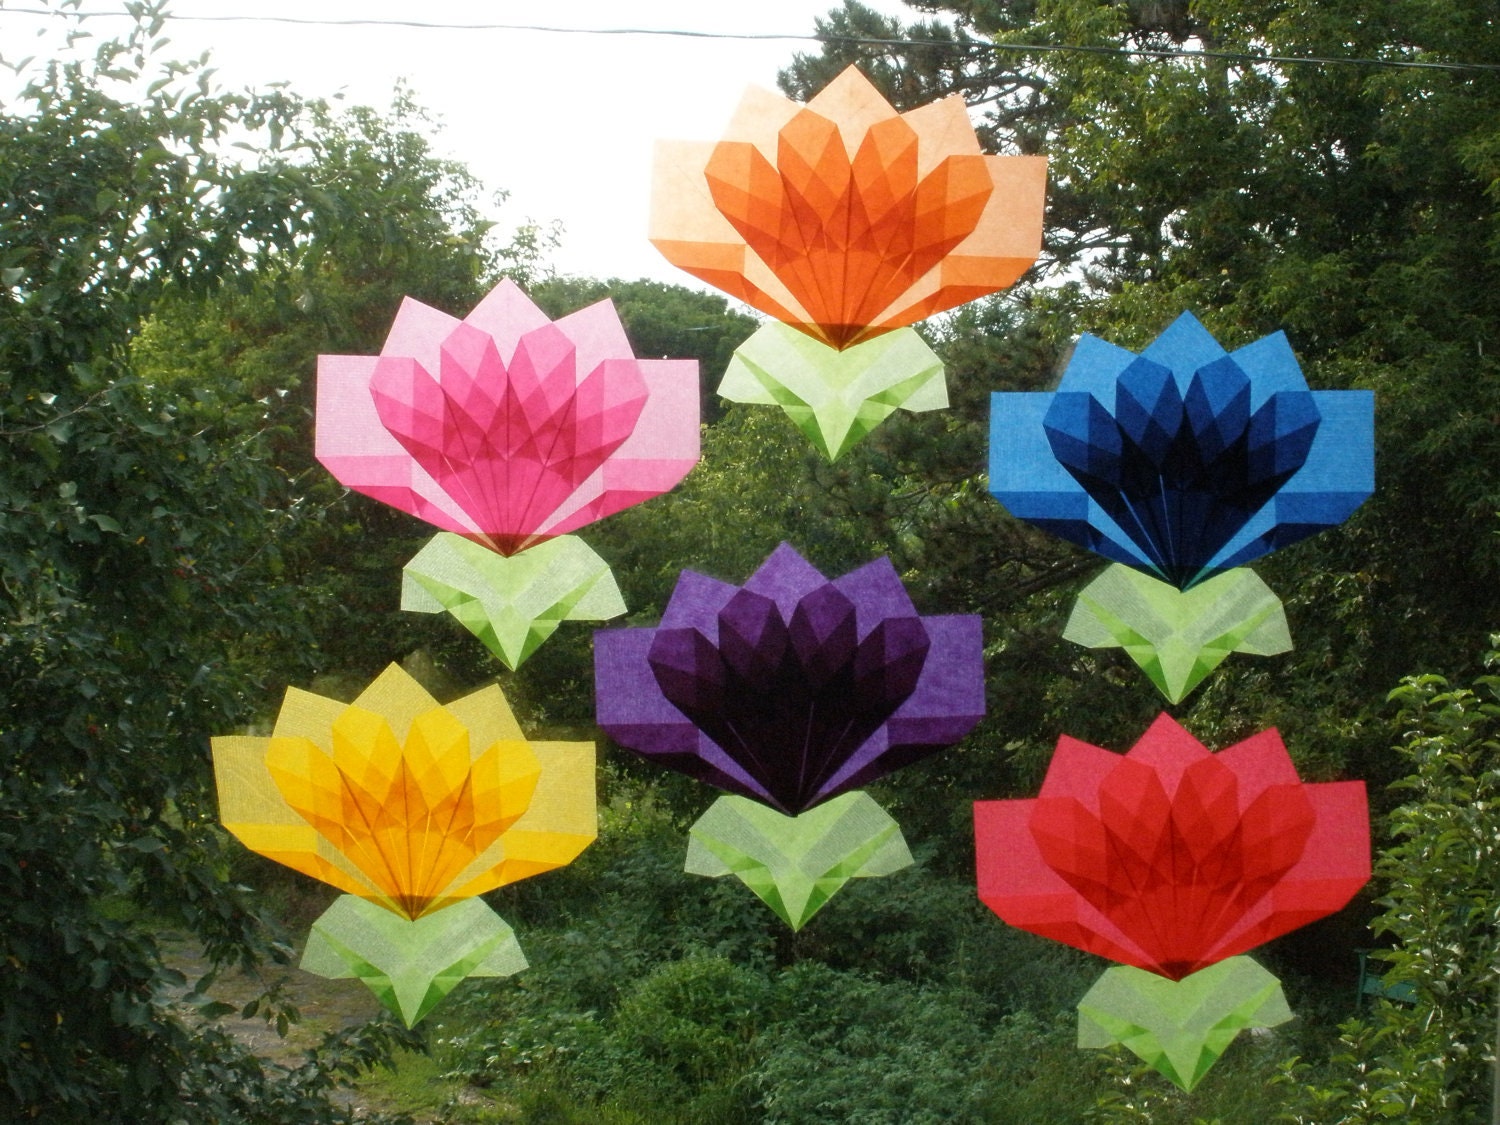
[160, 536]
[662, 322]
[1427, 1053]
[384, 219]
[656, 997]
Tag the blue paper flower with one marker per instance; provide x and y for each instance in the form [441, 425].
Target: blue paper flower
[1184, 461]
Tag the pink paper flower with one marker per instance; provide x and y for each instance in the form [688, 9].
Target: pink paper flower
[505, 427]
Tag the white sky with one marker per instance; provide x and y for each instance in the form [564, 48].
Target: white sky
[565, 123]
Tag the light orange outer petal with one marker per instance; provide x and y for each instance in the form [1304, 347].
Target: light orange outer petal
[688, 229]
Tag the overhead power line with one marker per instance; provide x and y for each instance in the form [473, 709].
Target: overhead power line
[967, 46]
[1240, 56]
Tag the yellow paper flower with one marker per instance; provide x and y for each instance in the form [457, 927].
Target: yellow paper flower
[404, 802]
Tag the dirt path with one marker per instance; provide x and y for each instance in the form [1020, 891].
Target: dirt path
[324, 1005]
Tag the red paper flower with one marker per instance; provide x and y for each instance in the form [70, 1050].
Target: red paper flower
[1171, 858]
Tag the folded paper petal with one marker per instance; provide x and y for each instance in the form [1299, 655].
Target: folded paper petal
[411, 965]
[505, 427]
[843, 218]
[409, 804]
[791, 689]
[795, 864]
[1180, 1027]
[1170, 858]
[835, 397]
[511, 604]
[1184, 461]
[1178, 637]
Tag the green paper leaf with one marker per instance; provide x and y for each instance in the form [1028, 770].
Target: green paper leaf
[1180, 1027]
[511, 604]
[796, 863]
[835, 397]
[1178, 637]
[411, 965]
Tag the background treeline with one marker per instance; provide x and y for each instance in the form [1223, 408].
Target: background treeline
[171, 558]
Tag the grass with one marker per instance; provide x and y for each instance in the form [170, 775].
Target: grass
[424, 1087]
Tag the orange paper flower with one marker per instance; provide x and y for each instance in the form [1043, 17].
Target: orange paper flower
[844, 218]
[403, 802]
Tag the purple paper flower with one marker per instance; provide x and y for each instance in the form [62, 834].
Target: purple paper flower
[791, 689]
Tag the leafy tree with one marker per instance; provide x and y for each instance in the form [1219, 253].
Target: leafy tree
[662, 321]
[160, 307]
[947, 59]
[383, 219]
[1427, 1054]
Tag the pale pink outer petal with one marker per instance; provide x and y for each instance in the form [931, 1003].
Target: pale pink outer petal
[417, 331]
[661, 450]
[506, 314]
[352, 444]
[349, 439]
[597, 334]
